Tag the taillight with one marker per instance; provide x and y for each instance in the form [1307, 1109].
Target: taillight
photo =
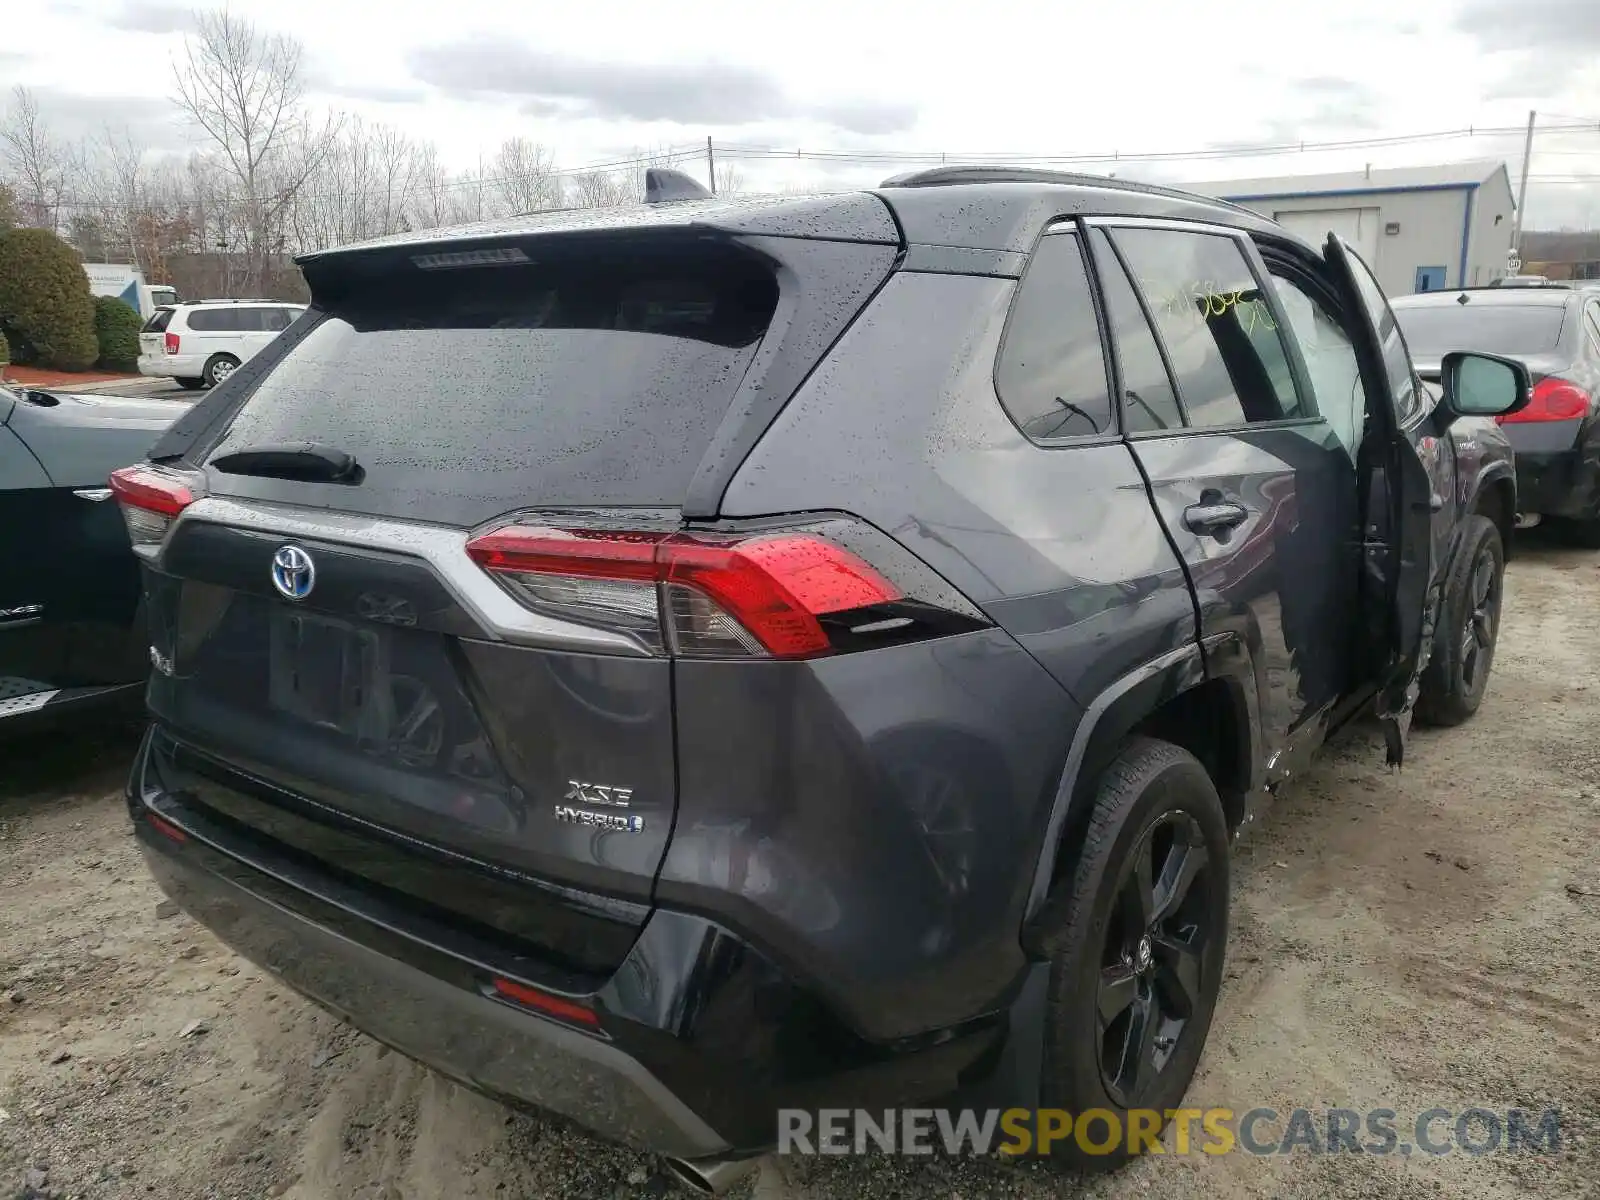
[171, 343]
[151, 498]
[786, 593]
[545, 1002]
[1552, 400]
[166, 828]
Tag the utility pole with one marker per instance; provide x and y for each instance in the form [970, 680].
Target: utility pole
[711, 166]
[1522, 194]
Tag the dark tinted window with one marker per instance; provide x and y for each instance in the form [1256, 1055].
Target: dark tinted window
[215, 320]
[592, 381]
[276, 318]
[1052, 374]
[158, 321]
[1147, 399]
[1434, 330]
[1224, 345]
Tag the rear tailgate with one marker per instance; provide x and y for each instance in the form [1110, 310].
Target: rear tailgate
[432, 716]
[152, 338]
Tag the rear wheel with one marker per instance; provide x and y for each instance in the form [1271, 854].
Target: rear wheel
[1136, 938]
[190, 382]
[1453, 685]
[218, 368]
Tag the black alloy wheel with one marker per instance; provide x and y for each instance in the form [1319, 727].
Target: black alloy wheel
[1482, 620]
[1457, 675]
[1135, 930]
[1153, 964]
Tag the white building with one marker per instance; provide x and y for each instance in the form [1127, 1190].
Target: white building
[1419, 228]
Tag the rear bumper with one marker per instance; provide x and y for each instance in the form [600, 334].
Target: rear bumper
[171, 366]
[480, 1042]
[701, 1038]
[1563, 483]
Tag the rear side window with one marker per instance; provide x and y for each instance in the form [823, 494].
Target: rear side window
[216, 320]
[598, 379]
[158, 321]
[1052, 372]
[1222, 340]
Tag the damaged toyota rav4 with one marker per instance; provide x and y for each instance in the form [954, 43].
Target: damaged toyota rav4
[670, 664]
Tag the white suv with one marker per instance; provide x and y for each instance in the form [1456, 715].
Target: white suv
[201, 343]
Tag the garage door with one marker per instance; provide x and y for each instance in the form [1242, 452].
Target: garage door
[1358, 226]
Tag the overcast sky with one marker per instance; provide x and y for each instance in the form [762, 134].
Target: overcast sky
[599, 80]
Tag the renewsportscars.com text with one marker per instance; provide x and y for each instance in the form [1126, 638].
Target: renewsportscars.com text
[1257, 1131]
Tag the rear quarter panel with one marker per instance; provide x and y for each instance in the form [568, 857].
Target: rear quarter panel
[901, 426]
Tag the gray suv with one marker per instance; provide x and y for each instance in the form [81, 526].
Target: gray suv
[673, 663]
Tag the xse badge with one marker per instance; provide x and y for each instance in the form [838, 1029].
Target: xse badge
[598, 794]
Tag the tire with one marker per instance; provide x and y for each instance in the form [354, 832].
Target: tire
[1457, 674]
[1156, 806]
[218, 368]
[191, 383]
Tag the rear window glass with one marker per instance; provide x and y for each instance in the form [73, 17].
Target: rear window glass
[1052, 374]
[158, 320]
[1434, 331]
[482, 389]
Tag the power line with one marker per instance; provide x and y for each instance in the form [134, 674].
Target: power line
[868, 156]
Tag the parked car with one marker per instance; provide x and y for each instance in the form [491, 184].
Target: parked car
[200, 344]
[72, 629]
[669, 664]
[1526, 281]
[1555, 333]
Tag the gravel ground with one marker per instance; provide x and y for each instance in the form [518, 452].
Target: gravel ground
[1400, 940]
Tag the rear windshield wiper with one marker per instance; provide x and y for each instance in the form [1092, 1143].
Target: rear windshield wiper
[303, 462]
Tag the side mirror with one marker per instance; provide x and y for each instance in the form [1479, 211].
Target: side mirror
[1483, 385]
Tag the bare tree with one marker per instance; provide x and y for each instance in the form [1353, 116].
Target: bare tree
[245, 90]
[432, 201]
[363, 187]
[37, 160]
[730, 180]
[111, 173]
[525, 176]
[600, 189]
[623, 185]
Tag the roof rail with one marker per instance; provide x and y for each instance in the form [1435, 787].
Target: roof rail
[239, 300]
[944, 176]
[662, 185]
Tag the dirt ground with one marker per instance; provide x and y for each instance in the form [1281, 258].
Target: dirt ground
[1405, 941]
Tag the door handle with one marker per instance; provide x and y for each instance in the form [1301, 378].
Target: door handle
[1212, 520]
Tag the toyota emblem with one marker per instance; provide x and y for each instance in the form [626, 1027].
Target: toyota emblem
[293, 573]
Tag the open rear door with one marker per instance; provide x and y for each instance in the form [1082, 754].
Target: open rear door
[1398, 585]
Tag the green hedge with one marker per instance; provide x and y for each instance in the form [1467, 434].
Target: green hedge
[44, 298]
[116, 328]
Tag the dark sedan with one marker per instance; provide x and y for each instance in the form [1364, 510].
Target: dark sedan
[1555, 331]
[71, 621]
